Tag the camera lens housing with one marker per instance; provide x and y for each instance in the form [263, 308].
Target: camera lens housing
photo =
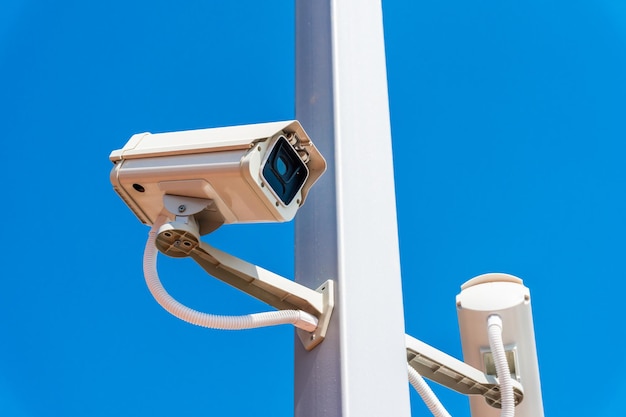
[284, 171]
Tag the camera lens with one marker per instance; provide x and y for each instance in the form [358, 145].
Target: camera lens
[284, 171]
[281, 166]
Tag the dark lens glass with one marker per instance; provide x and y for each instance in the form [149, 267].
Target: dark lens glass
[281, 166]
[284, 171]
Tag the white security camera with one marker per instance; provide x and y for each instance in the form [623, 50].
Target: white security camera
[507, 297]
[251, 173]
[187, 184]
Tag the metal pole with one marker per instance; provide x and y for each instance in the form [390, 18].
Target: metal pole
[347, 229]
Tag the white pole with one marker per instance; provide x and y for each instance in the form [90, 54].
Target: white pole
[347, 229]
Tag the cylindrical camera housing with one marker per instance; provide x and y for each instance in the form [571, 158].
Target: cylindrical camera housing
[506, 296]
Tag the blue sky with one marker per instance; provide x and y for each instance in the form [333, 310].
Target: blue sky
[508, 123]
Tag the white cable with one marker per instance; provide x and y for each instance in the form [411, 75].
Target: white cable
[494, 324]
[427, 394]
[300, 319]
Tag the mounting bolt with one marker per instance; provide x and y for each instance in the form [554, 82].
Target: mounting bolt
[182, 208]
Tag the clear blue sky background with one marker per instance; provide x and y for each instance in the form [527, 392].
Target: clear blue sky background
[508, 123]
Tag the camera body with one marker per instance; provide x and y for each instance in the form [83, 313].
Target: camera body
[508, 297]
[250, 173]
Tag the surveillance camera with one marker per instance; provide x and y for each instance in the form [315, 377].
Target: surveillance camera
[506, 296]
[250, 173]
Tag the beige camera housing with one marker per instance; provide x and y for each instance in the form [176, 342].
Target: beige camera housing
[224, 165]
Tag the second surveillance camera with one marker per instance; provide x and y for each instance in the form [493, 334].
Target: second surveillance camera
[250, 173]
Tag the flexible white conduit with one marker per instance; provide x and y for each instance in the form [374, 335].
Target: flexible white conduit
[427, 394]
[300, 319]
[494, 326]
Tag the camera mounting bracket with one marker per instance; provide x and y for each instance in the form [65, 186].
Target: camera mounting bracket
[452, 373]
[180, 238]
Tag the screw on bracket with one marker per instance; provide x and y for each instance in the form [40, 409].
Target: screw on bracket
[182, 208]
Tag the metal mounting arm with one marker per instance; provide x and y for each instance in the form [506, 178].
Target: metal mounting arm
[181, 239]
[450, 372]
